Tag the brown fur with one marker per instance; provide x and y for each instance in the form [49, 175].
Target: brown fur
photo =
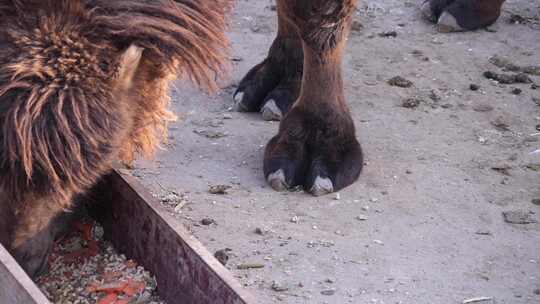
[83, 82]
[321, 23]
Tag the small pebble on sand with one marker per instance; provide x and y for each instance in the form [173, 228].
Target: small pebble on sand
[222, 256]
[401, 82]
[207, 221]
[362, 218]
[482, 108]
[519, 217]
[279, 287]
[219, 189]
[328, 292]
[411, 103]
[474, 87]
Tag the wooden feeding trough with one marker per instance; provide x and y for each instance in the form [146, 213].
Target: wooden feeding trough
[138, 227]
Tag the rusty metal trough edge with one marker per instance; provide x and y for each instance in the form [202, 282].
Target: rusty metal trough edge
[192, 275]
[15, 286]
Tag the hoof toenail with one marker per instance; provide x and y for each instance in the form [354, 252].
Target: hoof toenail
[447, 23]
[322, 186]
[277, 181]
[271, 111]
[238, 105]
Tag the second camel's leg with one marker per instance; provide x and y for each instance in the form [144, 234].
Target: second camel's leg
[273, 85]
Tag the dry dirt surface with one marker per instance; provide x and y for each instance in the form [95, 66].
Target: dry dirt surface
[445, 210]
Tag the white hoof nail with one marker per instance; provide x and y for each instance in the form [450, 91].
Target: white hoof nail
[322, 186]
[238, 105]
[271, 111]
[277, 181]
[428, 12]
[447, 23]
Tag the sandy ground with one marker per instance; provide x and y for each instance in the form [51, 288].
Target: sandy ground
[424, 224]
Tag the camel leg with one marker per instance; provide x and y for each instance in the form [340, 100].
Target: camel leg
[273, 85]
[316, 146]
[462, 15]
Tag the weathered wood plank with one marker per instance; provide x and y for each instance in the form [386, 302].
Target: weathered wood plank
[15, 286]
[138, 226]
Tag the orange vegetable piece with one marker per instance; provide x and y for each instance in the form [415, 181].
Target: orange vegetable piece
[93, 248]
[117, 287]
[87, 232]
[133, 287]
[108, 299]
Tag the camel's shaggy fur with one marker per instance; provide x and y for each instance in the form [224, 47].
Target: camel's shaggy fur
[84, 82]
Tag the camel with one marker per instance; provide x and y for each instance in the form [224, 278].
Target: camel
[84, 83]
